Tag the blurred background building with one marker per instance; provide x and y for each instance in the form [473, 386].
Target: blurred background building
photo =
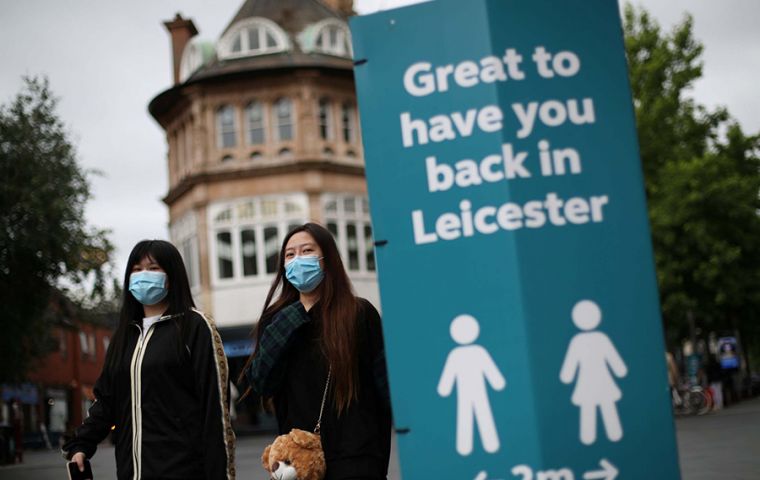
[58, 391]
[263, 134]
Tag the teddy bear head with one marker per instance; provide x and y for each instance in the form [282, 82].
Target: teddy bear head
[295, 456]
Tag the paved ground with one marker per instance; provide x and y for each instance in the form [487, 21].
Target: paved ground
[46, 465]
[720, 446]
[724, 445]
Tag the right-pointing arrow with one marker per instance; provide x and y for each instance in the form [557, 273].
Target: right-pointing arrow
[608, 472]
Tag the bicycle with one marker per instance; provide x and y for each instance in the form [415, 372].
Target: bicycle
[691, 400]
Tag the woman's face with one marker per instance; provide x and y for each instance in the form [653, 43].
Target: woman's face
[302, 244]
[148, 264]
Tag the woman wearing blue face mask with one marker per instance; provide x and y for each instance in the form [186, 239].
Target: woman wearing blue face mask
[164, 387]
[317, 337]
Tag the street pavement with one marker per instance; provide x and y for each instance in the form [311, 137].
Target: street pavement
[722, 445]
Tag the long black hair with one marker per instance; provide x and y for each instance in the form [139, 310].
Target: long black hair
[337, 307]
[179, 297]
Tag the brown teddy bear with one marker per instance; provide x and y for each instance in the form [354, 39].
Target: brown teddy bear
[295, 456]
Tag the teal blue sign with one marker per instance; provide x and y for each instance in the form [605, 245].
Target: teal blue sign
[520, 305]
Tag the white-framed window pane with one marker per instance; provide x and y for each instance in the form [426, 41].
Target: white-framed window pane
[284, 119]
[253, 38]
[293, 207]
[225, 124]
[223, 216]
[83, 345]
[255, 118]
[269, 207]
[63, 344]
[352, 244]
[246, 211]
[349, 130]
[349, 205]
[237, 45]
[346, 46]
[271, 42]
[325, 119]
[188, 258]
[332, 227]
[271, 248]
[224, 254]
[248, 246]
[369, 248]
[334, 40]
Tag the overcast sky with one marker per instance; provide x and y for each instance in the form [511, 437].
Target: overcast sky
[106, 60]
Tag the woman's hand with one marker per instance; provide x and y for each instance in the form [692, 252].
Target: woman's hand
[79, 457]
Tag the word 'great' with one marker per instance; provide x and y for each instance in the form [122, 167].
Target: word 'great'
[490, 219]
[422, 79]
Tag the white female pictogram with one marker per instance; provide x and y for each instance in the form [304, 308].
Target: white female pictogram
[592, 355]
[470, 367]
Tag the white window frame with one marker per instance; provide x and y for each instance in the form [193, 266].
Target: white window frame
[220, 130]
[325, 118]
[342, 218]
[348, 112]
[185, 229]
[281, 219]
[84, 344]
[322, 44]
[240, 30]
[276, 119]
[246, 113]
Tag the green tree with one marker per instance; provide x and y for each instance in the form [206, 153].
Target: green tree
[702, 181]
[43, 234]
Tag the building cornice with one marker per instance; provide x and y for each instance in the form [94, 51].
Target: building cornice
[162, 104]
[201, 178]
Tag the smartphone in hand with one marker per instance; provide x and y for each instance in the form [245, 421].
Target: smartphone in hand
[75, 474]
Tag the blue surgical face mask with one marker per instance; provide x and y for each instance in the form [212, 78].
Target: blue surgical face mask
[148, 287]
[304, 273]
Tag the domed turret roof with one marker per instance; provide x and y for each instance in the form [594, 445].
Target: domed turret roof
[290, 18]
[291, 15]
[288, 37]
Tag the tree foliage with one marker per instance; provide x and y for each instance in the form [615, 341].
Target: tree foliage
[702, 180]
[43, 234]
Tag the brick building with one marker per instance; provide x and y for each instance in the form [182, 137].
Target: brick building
[58, 391]
[262, 132]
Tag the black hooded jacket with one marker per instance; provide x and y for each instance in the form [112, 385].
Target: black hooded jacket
[167, 402]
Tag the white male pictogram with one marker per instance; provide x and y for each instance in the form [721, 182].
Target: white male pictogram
[470, 367]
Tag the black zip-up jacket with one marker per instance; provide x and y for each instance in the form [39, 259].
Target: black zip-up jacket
[168, 404]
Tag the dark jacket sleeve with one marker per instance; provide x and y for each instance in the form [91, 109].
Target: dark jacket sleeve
[267, 368]
[377, 352]
[99, 421]
[210, 368]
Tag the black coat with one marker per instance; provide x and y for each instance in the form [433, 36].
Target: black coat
[292, 369]
[167, 402]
